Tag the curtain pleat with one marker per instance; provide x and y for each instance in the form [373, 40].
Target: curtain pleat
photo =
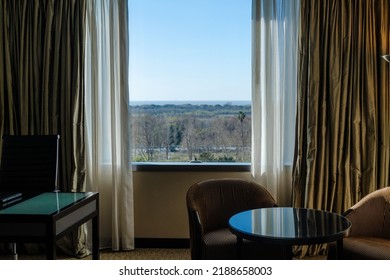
[274, 58]
[342, 131]
[107, 120]
[42, 81]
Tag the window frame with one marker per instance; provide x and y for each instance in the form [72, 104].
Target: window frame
[191, 167]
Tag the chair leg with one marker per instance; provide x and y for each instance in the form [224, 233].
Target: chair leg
[239, 247]
[13, 251]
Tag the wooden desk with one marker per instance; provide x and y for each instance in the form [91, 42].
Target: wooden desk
[46, 217]
[287, 226]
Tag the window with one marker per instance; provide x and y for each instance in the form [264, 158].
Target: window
[190, 80]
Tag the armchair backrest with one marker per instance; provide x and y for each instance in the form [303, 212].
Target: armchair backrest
[29, 163]
[215, 201]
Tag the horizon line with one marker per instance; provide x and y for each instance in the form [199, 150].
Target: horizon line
[195, 102]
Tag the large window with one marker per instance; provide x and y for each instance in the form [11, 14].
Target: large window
[190, 80]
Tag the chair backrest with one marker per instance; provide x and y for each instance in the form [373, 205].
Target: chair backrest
[217, 200]
[29, 163]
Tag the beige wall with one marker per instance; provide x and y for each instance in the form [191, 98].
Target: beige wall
[159, 201]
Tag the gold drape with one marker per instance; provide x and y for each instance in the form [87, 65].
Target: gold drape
[343, 109]
[42, 78]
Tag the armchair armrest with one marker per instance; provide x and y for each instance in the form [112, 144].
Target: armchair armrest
[368, 216]
[196, 231]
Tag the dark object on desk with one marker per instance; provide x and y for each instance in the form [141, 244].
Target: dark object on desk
[29, 163]
[9, 198]
[369, 237]
[210, 204]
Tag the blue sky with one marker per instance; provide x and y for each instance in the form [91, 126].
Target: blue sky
[189, 50]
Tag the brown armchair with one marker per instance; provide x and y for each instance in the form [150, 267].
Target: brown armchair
[369, 236]
[210, 205]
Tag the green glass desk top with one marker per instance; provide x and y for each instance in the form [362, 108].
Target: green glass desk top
[45, 203]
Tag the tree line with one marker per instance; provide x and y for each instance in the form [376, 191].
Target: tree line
[186, 132]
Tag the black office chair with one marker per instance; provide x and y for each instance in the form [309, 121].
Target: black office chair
[29, 164]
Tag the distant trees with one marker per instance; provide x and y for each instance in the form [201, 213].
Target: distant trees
[147, 132]
[176, 134]
[244, 132]
[196, 132]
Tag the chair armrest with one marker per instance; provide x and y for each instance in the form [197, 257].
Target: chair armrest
[367, 217]
[196, 235]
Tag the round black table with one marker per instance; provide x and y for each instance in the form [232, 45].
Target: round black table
[287, 226]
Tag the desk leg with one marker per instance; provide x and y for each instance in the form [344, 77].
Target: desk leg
[239, 247]
[14, 251]
[51, 252]
[288, 252]
[95, 238]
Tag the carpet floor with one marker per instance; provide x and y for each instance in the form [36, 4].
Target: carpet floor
[136, 254]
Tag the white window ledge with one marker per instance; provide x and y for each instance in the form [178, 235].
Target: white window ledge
[191, 166]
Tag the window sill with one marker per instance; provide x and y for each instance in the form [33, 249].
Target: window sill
[191, 167]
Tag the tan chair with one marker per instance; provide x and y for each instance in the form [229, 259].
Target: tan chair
[369, 237]
[210, 205]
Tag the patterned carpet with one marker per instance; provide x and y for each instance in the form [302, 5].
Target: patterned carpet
[147, 254]
[137, 254]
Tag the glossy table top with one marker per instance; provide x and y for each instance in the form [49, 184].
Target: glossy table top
[47, 203]
[289, 226]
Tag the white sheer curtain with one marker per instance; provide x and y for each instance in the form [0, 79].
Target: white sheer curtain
[107, 120]
[274, 70]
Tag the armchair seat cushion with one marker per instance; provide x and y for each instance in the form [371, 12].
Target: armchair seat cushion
[366, 248]
[222, 245]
